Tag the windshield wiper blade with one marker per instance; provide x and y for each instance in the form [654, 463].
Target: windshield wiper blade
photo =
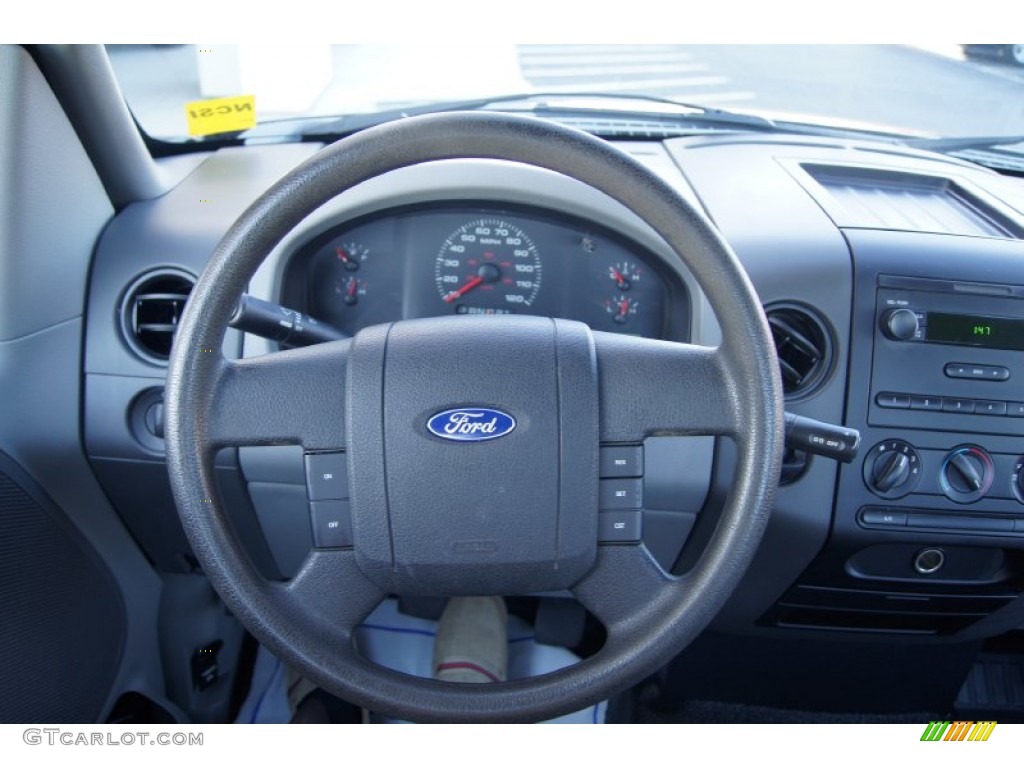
[544, 102]
[958, 144]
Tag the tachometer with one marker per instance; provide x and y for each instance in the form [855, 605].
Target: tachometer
[488, 266]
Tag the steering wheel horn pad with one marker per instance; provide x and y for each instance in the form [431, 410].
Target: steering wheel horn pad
[372, 396]
[513, 514]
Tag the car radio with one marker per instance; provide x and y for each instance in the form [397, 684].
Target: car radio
[948, 358]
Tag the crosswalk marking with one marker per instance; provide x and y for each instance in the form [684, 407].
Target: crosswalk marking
[668, 71]
[554, 59]
[635, 85]
[609, 48]
[713, 98]
[605, 69]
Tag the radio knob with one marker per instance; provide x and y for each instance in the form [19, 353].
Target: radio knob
[892, 469]
[966, 474]
[900, 324]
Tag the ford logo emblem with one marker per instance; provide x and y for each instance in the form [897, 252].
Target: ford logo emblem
[471, 425]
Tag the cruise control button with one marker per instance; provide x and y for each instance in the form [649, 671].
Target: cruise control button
[326, 476]
[617, 527]
[990, 407]
[1015, 409]
[622, 461]
[958, 405]
[925, 403]
[621, 494]
[892, 400]
[332, 524]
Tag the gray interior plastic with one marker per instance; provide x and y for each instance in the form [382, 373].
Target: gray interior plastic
[54, 208]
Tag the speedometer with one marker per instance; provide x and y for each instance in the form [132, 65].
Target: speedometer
[488, 266]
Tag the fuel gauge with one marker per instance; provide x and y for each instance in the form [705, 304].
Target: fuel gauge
[351, 289]
[622, 308]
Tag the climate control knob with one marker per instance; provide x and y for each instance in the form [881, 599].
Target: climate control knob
[1018, 479]
[900, 324]
[966, 474]
[892, 469]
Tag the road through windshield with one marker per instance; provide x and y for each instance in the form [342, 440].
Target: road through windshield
[938, 90]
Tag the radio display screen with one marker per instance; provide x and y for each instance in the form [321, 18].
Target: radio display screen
[975, 330]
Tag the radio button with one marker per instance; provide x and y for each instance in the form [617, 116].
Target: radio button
[990, 407]
[958, 371]
[996, 373]
[925, 403]
[971, 371]
[892, 400]
[1015, 409]
[958, 405]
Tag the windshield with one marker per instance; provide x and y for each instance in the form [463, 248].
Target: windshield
[923, 90]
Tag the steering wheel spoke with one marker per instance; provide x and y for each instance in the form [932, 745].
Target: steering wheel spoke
[635, 375]
[331, 586]
[625, 579]
[297, 396]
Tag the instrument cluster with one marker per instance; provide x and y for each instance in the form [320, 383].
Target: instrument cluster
[472, 259]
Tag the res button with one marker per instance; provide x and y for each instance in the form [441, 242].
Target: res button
[622, 461]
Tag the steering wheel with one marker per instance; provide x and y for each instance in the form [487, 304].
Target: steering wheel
[516, 514]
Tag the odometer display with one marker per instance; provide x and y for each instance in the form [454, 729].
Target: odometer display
[488, 264]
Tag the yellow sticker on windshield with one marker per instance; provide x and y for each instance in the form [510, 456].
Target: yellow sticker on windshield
[237, 113]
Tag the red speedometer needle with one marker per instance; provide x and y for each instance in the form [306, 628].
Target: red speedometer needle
[618, 276]
[352, 287]
[623, 307]
[342, 255]
[473, 283]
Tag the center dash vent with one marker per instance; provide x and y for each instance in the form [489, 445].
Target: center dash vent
[150, 312]
[803, 346]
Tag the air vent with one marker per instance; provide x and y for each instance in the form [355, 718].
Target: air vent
[803, 346]
[151, 310]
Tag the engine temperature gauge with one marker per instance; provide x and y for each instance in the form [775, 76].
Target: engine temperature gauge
[351, 255]
[625, 274]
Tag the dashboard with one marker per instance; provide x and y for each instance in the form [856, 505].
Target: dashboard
[473, 259]
[920, 539]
